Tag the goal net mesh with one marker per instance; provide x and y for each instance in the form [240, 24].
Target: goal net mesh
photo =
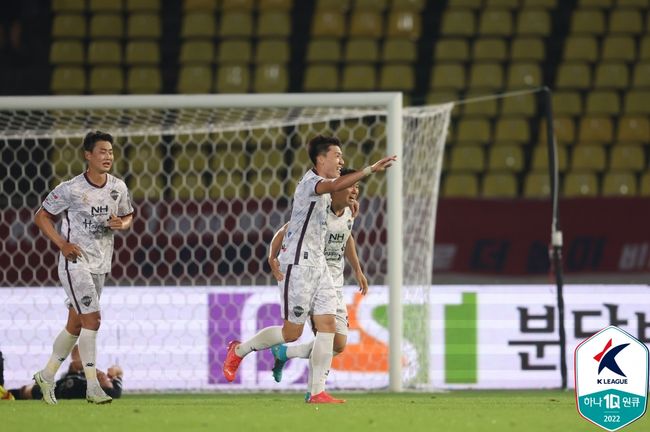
[210, 187]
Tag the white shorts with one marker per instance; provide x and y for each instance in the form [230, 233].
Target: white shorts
[306, 291]
[83, 289]
[342, 323]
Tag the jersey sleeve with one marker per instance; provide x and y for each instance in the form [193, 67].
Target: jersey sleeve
[309, 184]
[58, 200]
[124, 206]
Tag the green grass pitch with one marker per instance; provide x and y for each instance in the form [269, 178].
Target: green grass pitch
[458, 411]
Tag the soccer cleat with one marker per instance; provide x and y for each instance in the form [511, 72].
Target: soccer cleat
[47, 388]
[307, 397]
[324, 398]
[98, 397]
[5, 394]
[280, 353]
[232, 361]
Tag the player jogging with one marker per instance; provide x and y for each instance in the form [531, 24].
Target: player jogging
[94, 204]
[339, 244]
[308, 285]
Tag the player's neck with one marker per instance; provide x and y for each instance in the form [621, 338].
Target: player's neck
[338, 210]
[96, 178]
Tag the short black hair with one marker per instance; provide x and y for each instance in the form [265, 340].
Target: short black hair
[319, 145]
[346, 171]
[91, 139]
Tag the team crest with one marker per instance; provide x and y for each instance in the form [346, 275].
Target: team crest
[298, 310]
[115, 194]
[86, 300]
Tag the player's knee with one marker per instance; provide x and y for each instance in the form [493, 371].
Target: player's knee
[291, 333]
[339, 349]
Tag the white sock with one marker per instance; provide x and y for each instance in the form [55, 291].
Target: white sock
[300, 351]
[88, 353]
[61, 349]
[321, 360]
[266, 338]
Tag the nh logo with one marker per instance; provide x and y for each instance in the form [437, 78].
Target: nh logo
[337, 237]
[99, 210]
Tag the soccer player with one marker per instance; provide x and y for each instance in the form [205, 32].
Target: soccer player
[339, 243]
[308, 285]
[94, 204]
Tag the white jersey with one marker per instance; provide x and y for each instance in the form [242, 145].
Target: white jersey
[304, 241]
[338, 233]
[87, 208]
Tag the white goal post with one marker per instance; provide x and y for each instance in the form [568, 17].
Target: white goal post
[388, 104]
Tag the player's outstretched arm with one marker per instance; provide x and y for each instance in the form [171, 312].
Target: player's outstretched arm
[352, 257]
[276, 244]
[120, 222]
[348, 180]
[43, 221]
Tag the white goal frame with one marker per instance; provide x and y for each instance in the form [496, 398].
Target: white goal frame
[390, 101]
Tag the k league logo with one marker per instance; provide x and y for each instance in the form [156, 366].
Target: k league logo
[611, 372]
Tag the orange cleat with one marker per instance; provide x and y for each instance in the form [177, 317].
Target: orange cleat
[324, 398]
[232, 361]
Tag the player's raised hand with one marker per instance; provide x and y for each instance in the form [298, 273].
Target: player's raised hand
[382, 164]
[115, 222]
[71, 251]
[354, 207]
[363, 283]
[274, 263]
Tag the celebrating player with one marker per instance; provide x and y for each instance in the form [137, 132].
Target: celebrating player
[95, 204]
[339, 243]
[308, 285]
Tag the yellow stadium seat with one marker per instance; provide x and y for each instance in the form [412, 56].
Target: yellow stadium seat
[271, 78]
[511, 130]
[272, 51]
[399, 50]
[499, 185]
[644, 49]
[323, 50]
[359, 78]
[106, 80]
[366, 24]
[633, 129]
[142, 53]
[106, 26]
[274, 24]
[328, 23]
[59, 6]
[144, 25]
[474, 130]
[523, 105]
[458, 22]
[487, 76]
[361, 50]
[484, 108]
[534, 22]
[66, 52]
[104, 52]
[404, 24]
[189, 186]
[236, 24]
[448, 76]
[573, 75]
[612, 76]
[542, 4]
[467, 159]
[443, 97]
[580, 185]
[619, 48]
[588, 21]
[145, 162]
[632, 3]
[397, 77]
[506, 158]
[68, 80]
[69, 26]
[642, 75]
[603, 103]
[414, 5]
[460, 185]
[598, 4]
[502, 4]
[581, 48]
[644, 188]
[198, 25]
[234, 78]
[65, 159]
[338, 5]
[495, 22]
[537, 185]
[195, 79]
[244, 5]
[625, 21]
[197, 51]
[144, 80]
[540, 158]
[192, 6]
[489, 49]
[143, 6]
[101, 6]
[596, 129]
[275, 5]
[627, 158]
[469, 4]
[588, 158]
[567, 103]
[451, 50]
[636, 102]
[321, 77]
[527, 49]
[235, 51]
[622, 184]
[522, 75]
[564, 130]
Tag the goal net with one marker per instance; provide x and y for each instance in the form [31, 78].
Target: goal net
[210, 186]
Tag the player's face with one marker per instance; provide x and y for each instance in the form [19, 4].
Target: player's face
[100, 160]
[332, 162]
[347, 196]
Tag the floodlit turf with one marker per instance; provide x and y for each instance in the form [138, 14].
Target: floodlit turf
[461, 411]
